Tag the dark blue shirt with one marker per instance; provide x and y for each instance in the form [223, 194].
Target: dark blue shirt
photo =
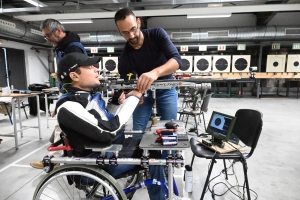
[156, 50]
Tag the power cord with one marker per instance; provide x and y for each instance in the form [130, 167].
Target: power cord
[239, 195]
[230, 189]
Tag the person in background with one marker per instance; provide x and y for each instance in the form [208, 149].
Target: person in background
[153, 56]
[64, 42]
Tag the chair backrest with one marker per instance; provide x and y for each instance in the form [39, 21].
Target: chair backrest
[205, 102]
[204, 93]
[248, 127]
[193, 92]
[195, 101]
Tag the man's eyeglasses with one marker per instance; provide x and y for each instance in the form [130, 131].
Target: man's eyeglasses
[47, 36]
[132, 30]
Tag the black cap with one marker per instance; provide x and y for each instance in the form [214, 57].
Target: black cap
[73, 60]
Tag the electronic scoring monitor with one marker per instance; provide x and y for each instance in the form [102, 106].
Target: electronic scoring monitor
[220, 126]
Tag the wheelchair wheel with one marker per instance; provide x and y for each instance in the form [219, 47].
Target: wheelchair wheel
[78, 182]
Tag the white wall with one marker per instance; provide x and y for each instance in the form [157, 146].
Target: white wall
[35, 71]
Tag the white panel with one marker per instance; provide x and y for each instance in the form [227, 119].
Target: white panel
[202, 63]
[110, 63]
[221, 63]
[187, 65]
[275, 63]
[240, 63]
[293, 63]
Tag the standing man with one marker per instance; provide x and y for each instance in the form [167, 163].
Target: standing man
[64, 42]
[152, 55]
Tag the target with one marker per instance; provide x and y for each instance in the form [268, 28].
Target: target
[240, 63]
[110, 64]
[221, 63]
[293, 64]
[186, 65]
[276, 63]
[202, 63]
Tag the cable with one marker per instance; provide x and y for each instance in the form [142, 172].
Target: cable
[63, 86]
[240, 195]
[243, 159]
[237, 182]
[229, 189]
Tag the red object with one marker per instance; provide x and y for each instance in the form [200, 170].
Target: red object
[57, 148]
[162, 131]
[180, 76]
[159, 139]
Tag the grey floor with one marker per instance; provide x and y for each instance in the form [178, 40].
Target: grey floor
[273, 169]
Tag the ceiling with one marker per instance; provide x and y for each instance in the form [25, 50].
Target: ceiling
[102, 12]
[168, 14]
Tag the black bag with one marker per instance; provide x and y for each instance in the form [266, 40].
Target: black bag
[37, 87]
[131, 148]
[32, 100]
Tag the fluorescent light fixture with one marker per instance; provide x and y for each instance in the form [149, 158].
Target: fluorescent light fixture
[76, 21]
[36, 3]
[209, 16]
[215, 5]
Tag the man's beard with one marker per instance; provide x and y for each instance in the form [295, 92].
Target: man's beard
[137, 39]
[56, 41]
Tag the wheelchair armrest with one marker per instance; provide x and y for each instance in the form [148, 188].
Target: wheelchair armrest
[133, 132]
[99, 147]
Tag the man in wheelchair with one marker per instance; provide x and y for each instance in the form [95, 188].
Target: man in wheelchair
[82, 115]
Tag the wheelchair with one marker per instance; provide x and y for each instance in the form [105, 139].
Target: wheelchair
[81, 177]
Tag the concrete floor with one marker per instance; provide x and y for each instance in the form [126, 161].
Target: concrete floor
[273, 169]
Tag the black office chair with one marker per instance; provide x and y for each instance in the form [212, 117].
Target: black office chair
[188, 99]
[5, 108]
[189, 95]
[194, 111]
[247, 128]
[23, 104]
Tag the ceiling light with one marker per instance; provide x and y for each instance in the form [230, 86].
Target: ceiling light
[215, 5]
[76, 21]
[209, 16]
[36, 3]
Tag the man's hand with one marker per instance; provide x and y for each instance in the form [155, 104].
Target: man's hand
[146, 79]
[121, 98]
[136, 93]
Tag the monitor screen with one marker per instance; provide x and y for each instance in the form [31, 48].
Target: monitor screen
[220, 125]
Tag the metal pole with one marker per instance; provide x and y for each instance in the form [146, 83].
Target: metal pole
[6, 68]
[170, 178]
[259, 70]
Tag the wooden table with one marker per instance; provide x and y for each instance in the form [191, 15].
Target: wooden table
[13, 105]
